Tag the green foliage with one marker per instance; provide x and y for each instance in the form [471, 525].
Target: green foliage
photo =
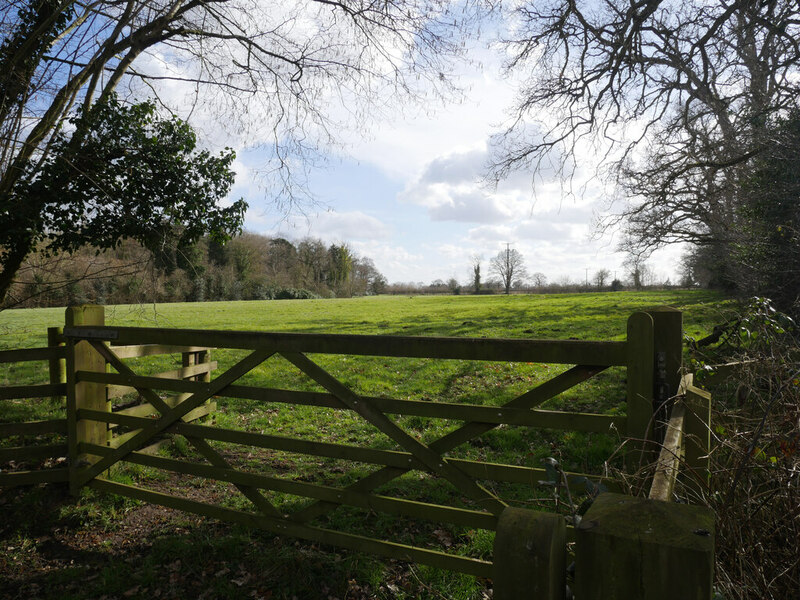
[121, 172]
[295, 294]
[127, 173]
[248, 267]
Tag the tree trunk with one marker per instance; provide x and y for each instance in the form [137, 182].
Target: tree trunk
[11, 263]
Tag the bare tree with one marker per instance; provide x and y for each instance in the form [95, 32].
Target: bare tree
[283, 72]
[639, 272]
[601, 277]
[509, 266]
[539, 280]
[701, 81]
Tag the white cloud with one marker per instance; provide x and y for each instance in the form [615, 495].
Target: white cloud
[331, 226]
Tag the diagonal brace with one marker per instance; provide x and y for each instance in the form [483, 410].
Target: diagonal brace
[174, 415]
[201, 445]
[466, 432]
[431, 459]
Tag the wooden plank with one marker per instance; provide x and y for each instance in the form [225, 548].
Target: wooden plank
[470, 566]
[147, 409]
[669, 458]
[391, 458]
[714, 375]
[190, 371]
[31, 354]
[398, 506]
[507, 414]
[443, 410]
[15, 478]
[518, 411]
[640, 381]
[34, 427]
[511, 350]
[194, 415]
[432, 459]
[118, 391]
[530, 399]
[141, 350]
[117, 440]
[697, 434]
[34, 452]
[44, 390]
[137, 382]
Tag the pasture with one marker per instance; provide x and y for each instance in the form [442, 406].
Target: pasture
[91, 546]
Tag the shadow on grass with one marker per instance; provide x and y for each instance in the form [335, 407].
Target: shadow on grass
[58, 547]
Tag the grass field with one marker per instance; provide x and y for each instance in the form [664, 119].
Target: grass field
[213, 557]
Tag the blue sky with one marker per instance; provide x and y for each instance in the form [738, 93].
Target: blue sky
[412, 198]
[406, 189]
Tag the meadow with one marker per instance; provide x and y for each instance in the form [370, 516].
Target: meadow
[269, 566]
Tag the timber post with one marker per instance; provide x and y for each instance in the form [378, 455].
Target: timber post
[640, 385]
[58, 367]
[668, 361]
[199, 357]
[530, 550]
[630, 547]
[697, 473]
[83, 394]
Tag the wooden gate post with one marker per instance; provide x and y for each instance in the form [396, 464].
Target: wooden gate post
[81, 394]
[628, 547]
[530, 556]
[639, 375]
[668, 360]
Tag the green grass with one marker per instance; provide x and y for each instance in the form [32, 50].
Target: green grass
[586, 317]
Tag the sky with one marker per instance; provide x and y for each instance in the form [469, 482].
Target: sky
[411, 195]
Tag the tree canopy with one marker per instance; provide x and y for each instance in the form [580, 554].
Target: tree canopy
[509, 266]
[121, 173]
[681, 98]
[276, 73]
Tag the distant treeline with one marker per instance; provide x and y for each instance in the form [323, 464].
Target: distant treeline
[248, 267]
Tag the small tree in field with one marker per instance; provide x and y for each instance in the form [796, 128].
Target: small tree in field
[601, 277]
[476, 272]
[509, 266]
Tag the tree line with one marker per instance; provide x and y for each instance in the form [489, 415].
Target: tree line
[250, 266]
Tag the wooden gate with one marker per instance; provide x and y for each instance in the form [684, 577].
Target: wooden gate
[95, 367]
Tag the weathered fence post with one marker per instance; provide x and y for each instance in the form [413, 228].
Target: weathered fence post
[697, 438]
[58, 367]
[82, 394]
[198, 357]
[529, 556]
[668, 360]
[630, 547]
[640, 380]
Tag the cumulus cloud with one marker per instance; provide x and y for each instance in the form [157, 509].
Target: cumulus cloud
[450, 188]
